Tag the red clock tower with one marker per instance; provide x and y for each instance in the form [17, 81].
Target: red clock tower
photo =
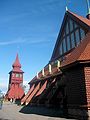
[15, 88]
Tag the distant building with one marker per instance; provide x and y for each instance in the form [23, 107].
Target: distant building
[65, 81]
[15, 88]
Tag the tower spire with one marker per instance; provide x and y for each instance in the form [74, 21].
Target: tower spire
[17, 63]
[15, 89]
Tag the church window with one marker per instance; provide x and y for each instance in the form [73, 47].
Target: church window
[71, 25]
[61, 49]
[72, 40]
[75, 25]
[64, 34]
[64, 45]
[77, 36]
[71, 36]
[67, 29]
[82, 32]
[68, 43]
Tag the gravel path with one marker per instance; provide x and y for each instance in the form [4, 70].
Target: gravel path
[11, 112]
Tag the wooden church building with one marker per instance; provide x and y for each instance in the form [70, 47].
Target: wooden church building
[15, 87]
[65, 81]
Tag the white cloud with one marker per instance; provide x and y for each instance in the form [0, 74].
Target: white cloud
[21, 41]
[38, 41]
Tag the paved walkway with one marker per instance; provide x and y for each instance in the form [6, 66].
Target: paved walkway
[11, 112]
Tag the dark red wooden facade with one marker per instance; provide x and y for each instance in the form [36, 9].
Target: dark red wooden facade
[15, 87]
[65, 80]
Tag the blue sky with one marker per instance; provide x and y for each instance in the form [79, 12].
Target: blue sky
[31, 27]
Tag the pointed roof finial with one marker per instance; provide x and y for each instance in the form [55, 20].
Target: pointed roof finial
[66, 8]
[67, 2]
[17, 63]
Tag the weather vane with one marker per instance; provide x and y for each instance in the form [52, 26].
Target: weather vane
[88, 6]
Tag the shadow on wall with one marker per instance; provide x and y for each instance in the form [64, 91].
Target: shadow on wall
[44, 111]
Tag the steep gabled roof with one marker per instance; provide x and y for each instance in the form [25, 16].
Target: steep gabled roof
[77, 54]
[80, 53]
[84, 22]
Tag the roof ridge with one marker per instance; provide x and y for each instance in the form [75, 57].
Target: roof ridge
[81, 18]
